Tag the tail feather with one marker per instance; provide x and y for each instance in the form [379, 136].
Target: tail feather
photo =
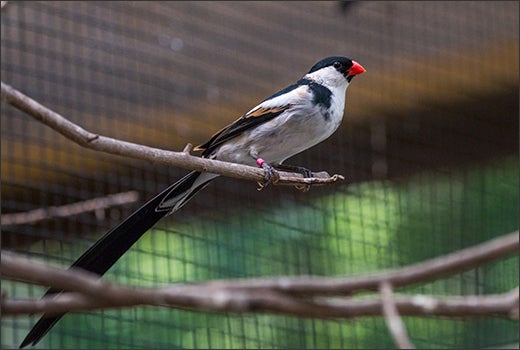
[109, 248]
[186, 188]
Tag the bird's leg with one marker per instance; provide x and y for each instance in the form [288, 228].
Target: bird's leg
[271, 175]
[296, 169]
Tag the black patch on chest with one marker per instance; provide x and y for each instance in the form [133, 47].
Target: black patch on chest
[322, 95]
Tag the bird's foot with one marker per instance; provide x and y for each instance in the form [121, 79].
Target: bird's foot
[297, 169]
[271, 175]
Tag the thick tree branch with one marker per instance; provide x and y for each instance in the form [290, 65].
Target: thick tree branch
[86, 291]
[428, 270]
[230, 300]
[182, 159]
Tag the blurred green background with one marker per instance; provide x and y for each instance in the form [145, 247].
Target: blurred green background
[376, 225]
[429, 149]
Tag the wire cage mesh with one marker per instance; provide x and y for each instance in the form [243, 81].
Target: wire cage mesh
[429, 148]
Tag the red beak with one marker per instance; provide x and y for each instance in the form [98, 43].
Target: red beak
[356, 69]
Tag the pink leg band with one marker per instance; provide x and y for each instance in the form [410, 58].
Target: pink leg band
[259, 162]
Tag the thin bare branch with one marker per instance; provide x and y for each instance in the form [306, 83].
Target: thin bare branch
[68, 210]
[188, 148]
[181, 159]
[392, 318]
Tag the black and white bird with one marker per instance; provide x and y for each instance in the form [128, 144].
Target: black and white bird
[286, 123]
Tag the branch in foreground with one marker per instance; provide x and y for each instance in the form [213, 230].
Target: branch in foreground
[499, 305]
[428, 270]
[297, 296]
[182, 159]
[67, 210]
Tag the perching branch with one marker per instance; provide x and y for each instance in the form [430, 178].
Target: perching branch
[297, 296]
[183, 159]
[67, 210]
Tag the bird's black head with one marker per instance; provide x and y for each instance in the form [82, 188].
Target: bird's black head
[347, 67]
[342, 64]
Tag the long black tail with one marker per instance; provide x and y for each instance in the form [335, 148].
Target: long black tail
[109, 248]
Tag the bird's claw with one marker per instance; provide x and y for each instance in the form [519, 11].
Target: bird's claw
[303, 187]
[304, 171]
[272, 176]
[306, 174]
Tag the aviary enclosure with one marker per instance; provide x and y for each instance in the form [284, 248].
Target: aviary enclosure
[428, 149]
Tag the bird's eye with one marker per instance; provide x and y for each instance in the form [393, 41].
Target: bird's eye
[337, 65]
